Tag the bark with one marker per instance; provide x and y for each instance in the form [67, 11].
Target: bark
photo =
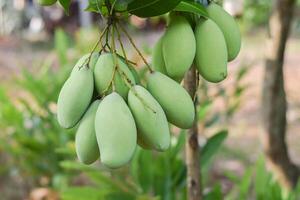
[274, 104]
[192, 150]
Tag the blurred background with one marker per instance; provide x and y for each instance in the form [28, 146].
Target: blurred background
[38, 48]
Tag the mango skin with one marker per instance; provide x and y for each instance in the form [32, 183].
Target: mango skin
[115, 131]
[135, 74]
[150, 119]
[211, 54]
[178, 47]
[75, 97]
[133, 70]
[103, 74]
[142, 143]
[87, 149]
[84, 59]
[174, 99]
[229, 27]
[46, 2]
[158, 59]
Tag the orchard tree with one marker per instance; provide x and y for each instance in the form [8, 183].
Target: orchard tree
[274, 103]
[115, 112]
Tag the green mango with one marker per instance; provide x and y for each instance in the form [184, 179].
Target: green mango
[135, 74]
[150, 119]
[103, 74]
[85, 141]
[211, 54]
[115, 131]
[132, 69]
[142, 143]
[178, 47]
[84, 60]
[229, 27]
[46, 2]
[158, 62]
[75, 97]
[173, 98]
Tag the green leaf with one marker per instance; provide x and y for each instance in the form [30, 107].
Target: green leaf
[215, 193]
[151, 8]
[65, 4]
[203, 110]
[83, 193]
[188, 6]
[95, 6]
[121, 5]
[212, 146]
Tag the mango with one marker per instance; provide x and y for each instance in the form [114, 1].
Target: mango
[103, 74]
[75, 97]
[84, 60]
[211, 54]
[150, 119]
[158, 59]
[46, 2]
[178, 47]
[85, 140]
[229, 27]
[132, 69]
[135, 74]
[173, 98]
[115, 131]
[142, 143]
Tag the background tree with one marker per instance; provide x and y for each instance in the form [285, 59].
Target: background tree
[274, 105]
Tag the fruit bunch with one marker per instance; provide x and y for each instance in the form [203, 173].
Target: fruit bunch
[114, 112]
[211, 43]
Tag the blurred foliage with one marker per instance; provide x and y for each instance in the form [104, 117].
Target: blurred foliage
[257, 12]
[30, 132]
[258, 183]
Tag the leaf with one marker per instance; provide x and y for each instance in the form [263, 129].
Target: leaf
[121, 5]
[71, 165]
[95, 6]
[203, 110]
[65, 4]
[212, 146]
[188, 6]
[151, 8]
[215, 193]
[82, 193]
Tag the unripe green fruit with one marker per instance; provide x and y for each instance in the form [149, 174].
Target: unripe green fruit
[142, 143]
[104, 71]
[134, 74]
[133, 70]
[158, 59]
[46, 2]
[150, 119]
[229, 27]
[174, 99]
[211, 54]
[178, 47]
[115, 131]
[75, 97]
[85, 141]
[84, 61]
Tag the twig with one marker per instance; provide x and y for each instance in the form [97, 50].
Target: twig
[135, 47]
[94, 48]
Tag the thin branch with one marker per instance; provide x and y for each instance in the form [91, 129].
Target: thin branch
[135, 47]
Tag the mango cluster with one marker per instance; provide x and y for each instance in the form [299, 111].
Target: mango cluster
[113, 112]
[210, 44]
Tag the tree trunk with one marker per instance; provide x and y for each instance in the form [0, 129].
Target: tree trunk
[192, 150]
[274, 103]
